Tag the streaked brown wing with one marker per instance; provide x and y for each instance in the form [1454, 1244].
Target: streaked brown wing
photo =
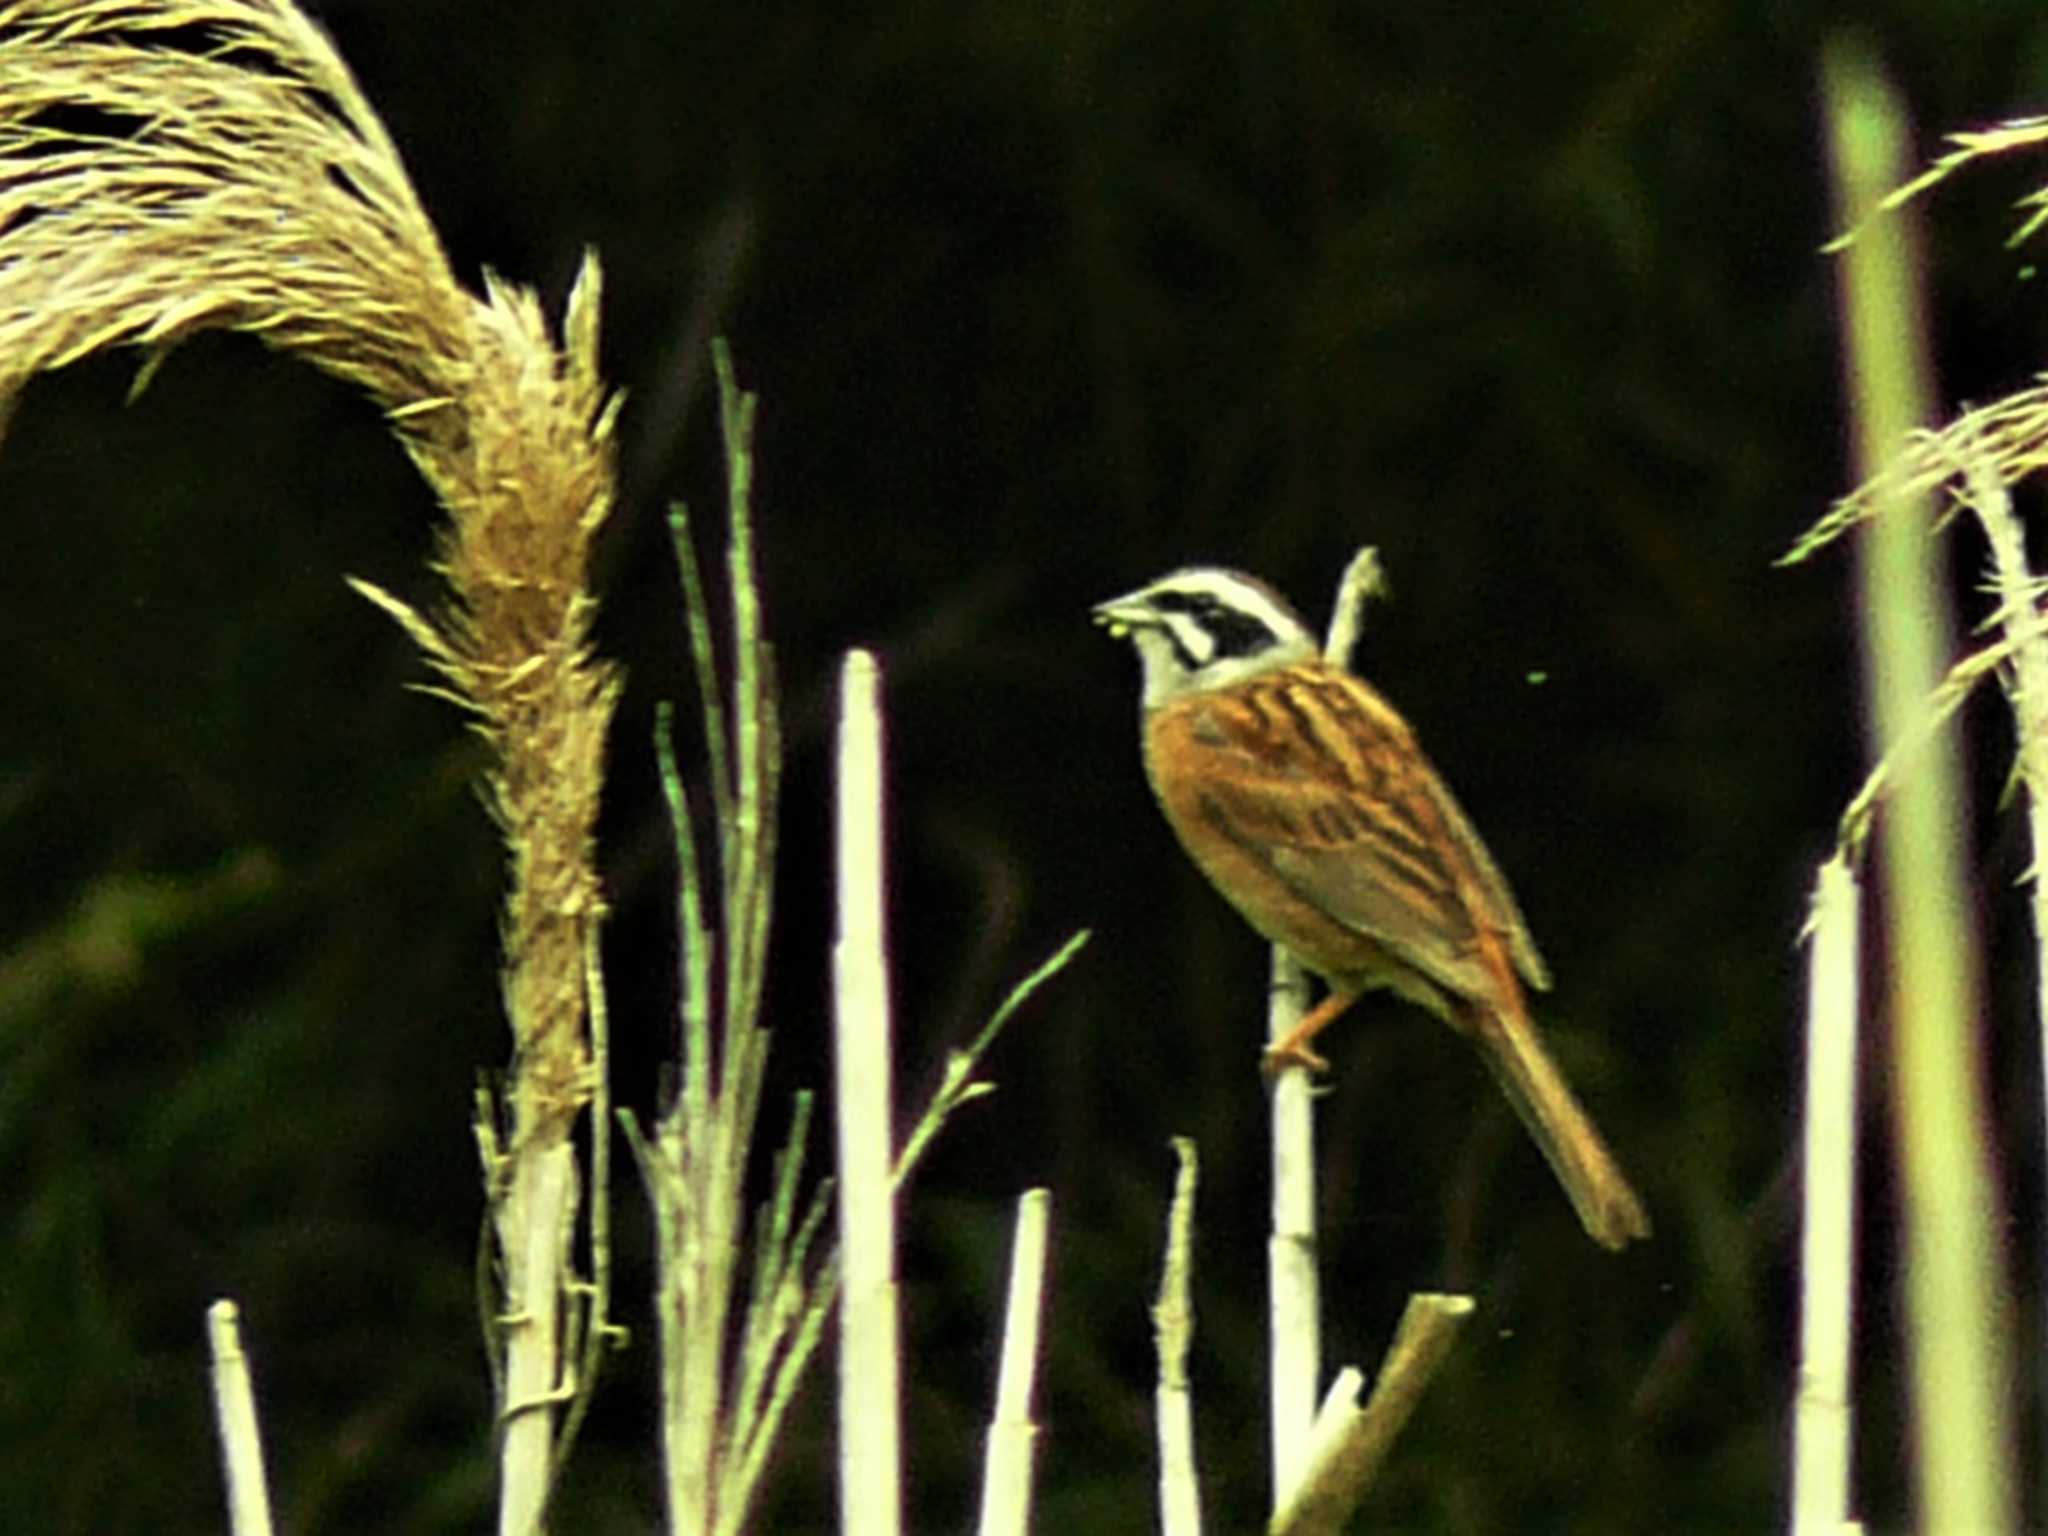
[1316, 775]
[1500, 898]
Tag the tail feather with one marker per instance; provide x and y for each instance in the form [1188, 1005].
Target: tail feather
[1608, 1206]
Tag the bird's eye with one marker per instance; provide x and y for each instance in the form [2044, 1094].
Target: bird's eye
[1206, 629]
[1236, 633]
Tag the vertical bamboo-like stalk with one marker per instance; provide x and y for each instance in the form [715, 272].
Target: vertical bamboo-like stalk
[870, 1475]
[1173, 1327]
[1954, 1291]
[1823, 1427]
[241, 1438]
[1013, 1433]
[1295, 1316]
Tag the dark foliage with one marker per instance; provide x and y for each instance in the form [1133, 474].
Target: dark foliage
[1040, 301]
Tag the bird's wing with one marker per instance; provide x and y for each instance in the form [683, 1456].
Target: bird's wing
[1315, 774]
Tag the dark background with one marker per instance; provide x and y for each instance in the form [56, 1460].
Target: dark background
[1040, 300]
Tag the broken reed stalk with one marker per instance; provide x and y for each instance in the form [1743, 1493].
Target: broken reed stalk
[1294, 1298]
[241, 1437]
[1294, 1295]
[1173, 1329]
[1294, 1331]
[187, 165]
[870, 1451]
[1013, 1432]
[1823, 1423]
[1324, 1458]
[1351, 1443]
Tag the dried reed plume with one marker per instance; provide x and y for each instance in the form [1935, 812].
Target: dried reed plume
[187, 165]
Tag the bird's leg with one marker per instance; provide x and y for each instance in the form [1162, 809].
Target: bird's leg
[1293, 1050]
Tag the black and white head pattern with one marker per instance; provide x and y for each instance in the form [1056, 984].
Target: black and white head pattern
[1206, 627]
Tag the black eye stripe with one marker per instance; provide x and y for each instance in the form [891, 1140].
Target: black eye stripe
[1235, 632]
[1188, 660]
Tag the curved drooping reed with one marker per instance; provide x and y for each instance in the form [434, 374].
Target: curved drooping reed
[170, 168]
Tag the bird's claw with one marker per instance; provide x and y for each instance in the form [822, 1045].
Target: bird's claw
[1278, 1057]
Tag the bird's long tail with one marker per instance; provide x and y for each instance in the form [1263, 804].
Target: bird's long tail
[1600, 1192]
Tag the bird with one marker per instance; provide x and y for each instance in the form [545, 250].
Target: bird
[1303, 796]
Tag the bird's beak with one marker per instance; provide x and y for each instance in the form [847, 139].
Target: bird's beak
[1121, 615]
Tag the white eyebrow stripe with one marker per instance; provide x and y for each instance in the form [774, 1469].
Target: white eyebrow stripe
[1238, 592]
